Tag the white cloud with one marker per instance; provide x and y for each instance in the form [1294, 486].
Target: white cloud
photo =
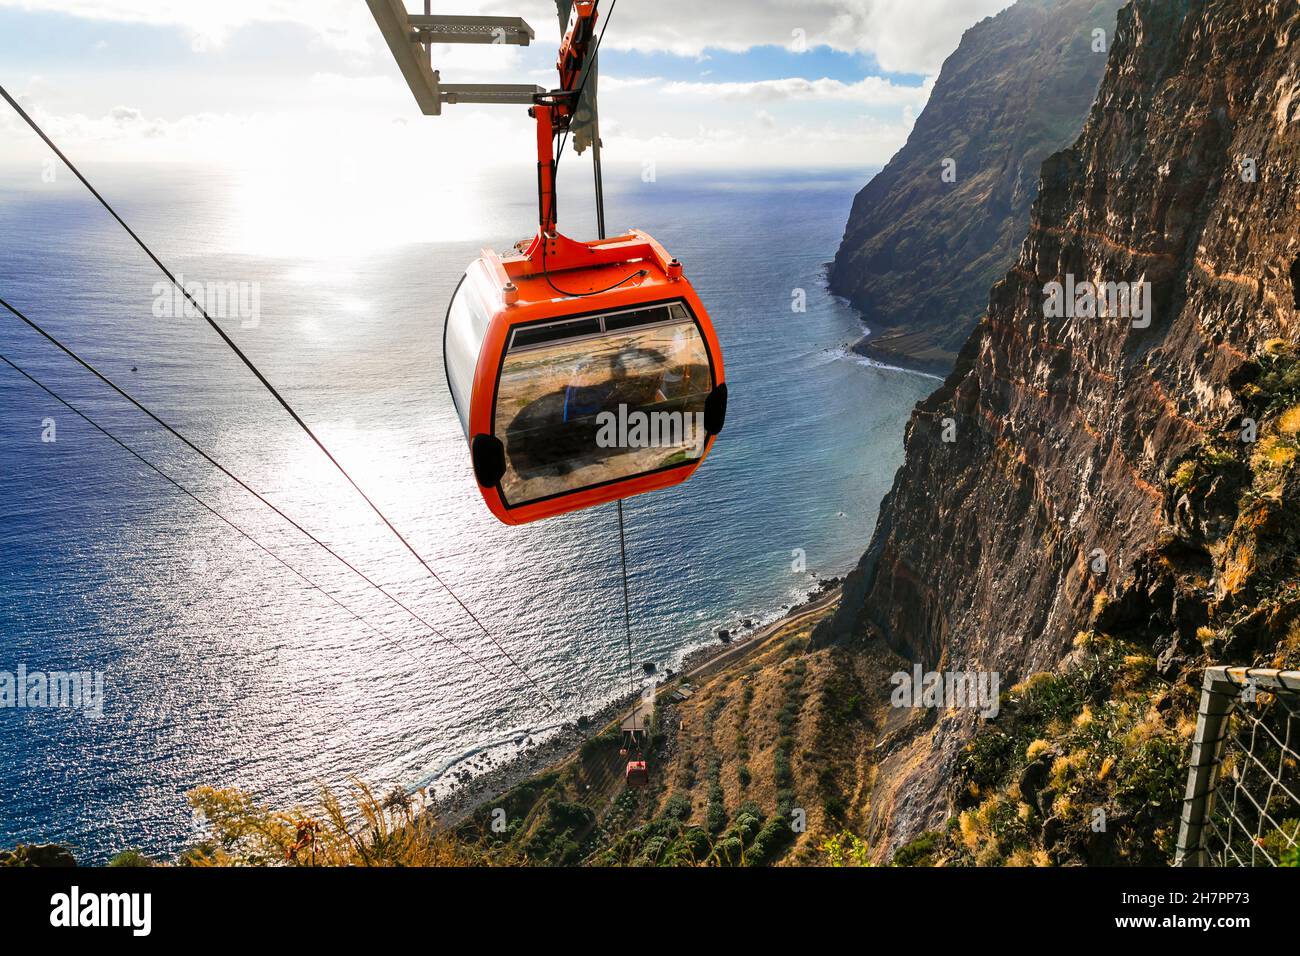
[612, 81]
[758, 143]
[343, 23]
[417, 149]
[362, 109]
[359, 130]
[906, 36]
[873, 90]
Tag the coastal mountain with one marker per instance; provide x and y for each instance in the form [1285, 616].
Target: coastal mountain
[1113, 493]
[1094, 506]
[1097, 503]
[921, 249]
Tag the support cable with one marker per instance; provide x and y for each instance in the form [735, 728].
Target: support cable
[236, 479]
[275, 393]
[598, 175]
[186, 491]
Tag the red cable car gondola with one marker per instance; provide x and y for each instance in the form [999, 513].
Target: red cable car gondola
[573, 401]
[582, 373]
[637, 774]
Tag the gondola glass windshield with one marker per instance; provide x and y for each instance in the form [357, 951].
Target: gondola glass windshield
[597, 399]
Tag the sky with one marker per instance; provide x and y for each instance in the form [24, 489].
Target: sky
[725, 83]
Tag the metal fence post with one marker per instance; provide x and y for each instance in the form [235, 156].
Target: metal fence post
[1218, 696]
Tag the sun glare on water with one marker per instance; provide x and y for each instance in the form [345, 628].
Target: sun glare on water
[328, 208]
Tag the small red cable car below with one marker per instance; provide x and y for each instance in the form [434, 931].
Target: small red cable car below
[582, 372]
[637, 774]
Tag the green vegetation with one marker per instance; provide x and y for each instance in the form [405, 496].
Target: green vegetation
[751, 839]
[1088, 765]
[397, 830]
[42, 854]
[742, 754]
[1280, 844]
[1273, 378]
[558, 840]
[717, 813]
[600, 744]
[786, 719]
[677, 807]
[845, 849]
[919, 852]
[131, 859]
[773, 838]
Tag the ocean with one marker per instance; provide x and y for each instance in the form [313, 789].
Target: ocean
[221, 667]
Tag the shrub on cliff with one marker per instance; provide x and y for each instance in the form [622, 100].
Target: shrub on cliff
[845, 849]
[1083, 766]
[1088, 765]
[559, 838]
[919, 852]
[131, 859]
[39, 854]
[398, 830]
[771, 841]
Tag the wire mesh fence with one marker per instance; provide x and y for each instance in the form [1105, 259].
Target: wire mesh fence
[1242, 806]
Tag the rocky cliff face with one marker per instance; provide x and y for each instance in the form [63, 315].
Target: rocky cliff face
[1071, 436]
[919, 254]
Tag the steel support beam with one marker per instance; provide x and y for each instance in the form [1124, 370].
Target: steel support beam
[437, 28]
[410, 35]
[509, 93]
[412, 59]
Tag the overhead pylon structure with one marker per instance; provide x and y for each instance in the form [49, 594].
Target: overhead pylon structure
[411, 37]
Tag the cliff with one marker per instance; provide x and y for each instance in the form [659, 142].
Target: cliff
[1078, 437]
[1091, 507]
[919, 254]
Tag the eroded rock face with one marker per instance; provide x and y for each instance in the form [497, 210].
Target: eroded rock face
[1187, 176]
[919, 253]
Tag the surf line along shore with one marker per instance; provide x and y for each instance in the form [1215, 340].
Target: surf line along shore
[555, 754]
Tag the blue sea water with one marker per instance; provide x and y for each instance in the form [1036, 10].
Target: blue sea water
[223, 668]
